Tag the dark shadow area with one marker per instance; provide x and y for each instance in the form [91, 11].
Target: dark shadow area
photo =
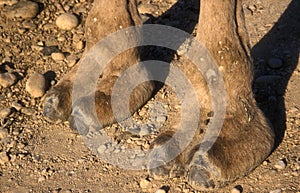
[183, 15]
[281, 42]
[49, 76]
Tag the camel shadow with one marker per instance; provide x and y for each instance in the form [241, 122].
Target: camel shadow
[271, 84]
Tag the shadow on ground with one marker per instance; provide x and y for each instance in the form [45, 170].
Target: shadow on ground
[281, 42]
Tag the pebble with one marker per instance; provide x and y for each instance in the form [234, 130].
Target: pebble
[268, 79]
[37, 48]
[79, 45]
[161, 119]
[160, 191]
[3, 158]
[3, 134]
[67, 191]
[280, 165]
[101, 149]
[67, 21]
[275, 63]
[145, 131]
[29, 25]
[7, 79]
[36, 85]
[23, 9]
[252, 8]
[72, 60]
[144, 183]
[235, 190]
[28, 111]
[58, 56]
[41, 179]
[4, 113]
[71, 63]
[147, 8]
[276, 191]
[17, 106]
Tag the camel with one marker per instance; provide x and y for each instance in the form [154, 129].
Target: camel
[246, 137]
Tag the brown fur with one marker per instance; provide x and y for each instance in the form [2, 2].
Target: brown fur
[246, 138]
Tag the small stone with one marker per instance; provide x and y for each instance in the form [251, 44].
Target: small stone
[3, 158]
[7, 79]
[147, 8]
[142, 112]
[23, 9]
[3, 134]
[295, 174]
[144, 183]
[41, 179]
[4, 113]
[101, 149]
[160, 191]
[36, 85]
[58, 56]
[268, 79]
[61, 39]
[28, 25]
[72, 63]
[67, 191]
[145, 130]
[161, 119]
[252, 8]
[280, 165]
[37, 48]
[79, 45]
[235, 190]
[275, 63]
[27, 111]
[276, 191]
[17, 106]
[67, 21]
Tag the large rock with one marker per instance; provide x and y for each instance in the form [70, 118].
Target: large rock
[7, 79]
[23, 9]
[36, 85]
[67, 21]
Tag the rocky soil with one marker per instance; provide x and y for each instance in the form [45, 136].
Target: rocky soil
[41, 40]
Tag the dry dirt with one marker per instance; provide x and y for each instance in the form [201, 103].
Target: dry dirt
[45, 157]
